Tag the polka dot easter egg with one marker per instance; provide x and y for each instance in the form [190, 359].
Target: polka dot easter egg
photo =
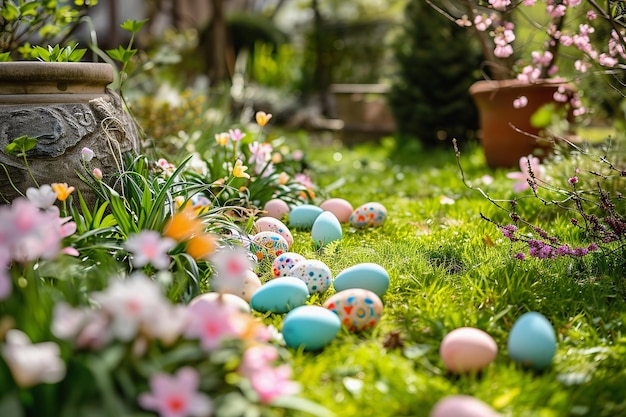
[283, 263]
[270, 224]
[268, 245]
[315, 274]
[369, 215]
[357, 308]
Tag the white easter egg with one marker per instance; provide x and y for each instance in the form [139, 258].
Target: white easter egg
[284, 262]
[315, 274]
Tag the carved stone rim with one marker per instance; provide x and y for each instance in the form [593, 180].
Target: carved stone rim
[36, 71]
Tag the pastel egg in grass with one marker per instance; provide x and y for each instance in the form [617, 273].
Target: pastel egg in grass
[310, 327]
[366, 275]
[268, 245]
[370, 214]
[342, 209]
[315, 274]
[270, 224]
[532, 341]
[462, 406]
[357, 308]
[467, 349]
[226, 298]
[280, 295]
[284, 262]
[326, 229]
[276, 208]
[304, 215]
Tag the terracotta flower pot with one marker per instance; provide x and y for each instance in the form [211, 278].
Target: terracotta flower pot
[67, 107]
[506, 133]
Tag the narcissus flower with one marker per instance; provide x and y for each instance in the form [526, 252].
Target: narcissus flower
[263, 118]
[239, 170]
[62, 190]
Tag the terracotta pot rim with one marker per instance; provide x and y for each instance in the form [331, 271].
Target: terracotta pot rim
[487, 86]
[50, 72]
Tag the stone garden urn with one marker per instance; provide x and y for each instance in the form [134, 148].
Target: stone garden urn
[66, 107]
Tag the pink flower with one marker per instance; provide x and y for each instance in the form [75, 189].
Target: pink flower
[176, 395]
[523, 176]
[230, 268]
[236, 135]
[149, 247]
[31, 364]
[520, 102]
[500, 4]
[269, 382]
[260, 153]
[97, 172]
[212, 322]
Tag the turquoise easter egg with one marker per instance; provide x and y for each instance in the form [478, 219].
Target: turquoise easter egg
[280, 295]
[283, 263]
[532, 341]
[326, 228]
[304, 215]
[369, 215]
[315, 274]
[310, 327]
[270, 224]
[268, 245]
[357, 308]
[369, 276]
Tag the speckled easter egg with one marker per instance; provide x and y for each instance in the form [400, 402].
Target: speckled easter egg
[369, 215]
[310, 327]
[357, 308]
[231, 299]
[326, 228]
[315, 274]
[342, 209]
[284, 262]
[462, 406]
[467, 349]
[304, 215]
[280, 295]
[367, 275]
[268, 245]
[270, 224]
[532, 341]
[276, 208]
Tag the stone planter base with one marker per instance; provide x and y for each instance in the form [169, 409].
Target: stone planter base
[67, 107]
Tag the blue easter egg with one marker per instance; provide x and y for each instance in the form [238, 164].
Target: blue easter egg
[311, 327]
[369, 276]
[280, 295]
[326, 228]
[304, 215]
[532, 341]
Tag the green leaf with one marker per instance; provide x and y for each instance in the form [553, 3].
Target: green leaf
[42, 53]
[77, 54]
[5, 56]
[29, 9]
[19, 146]
[10, 12]
[121, 54]
[543, 116]
[133, 26]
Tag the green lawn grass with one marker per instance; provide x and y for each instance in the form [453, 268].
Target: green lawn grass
[450, 268]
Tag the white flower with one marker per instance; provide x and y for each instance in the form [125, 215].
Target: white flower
[31, 364]
[42, 197]
[86, 154]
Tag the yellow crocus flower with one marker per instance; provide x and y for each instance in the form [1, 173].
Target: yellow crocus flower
[222, 138]
[62, 190]
[239, 170]
[262, 118]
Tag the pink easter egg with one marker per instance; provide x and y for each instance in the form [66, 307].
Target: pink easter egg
[467, 349]
[462, 406]
[276, 208]
[342, 209]
[271, 224]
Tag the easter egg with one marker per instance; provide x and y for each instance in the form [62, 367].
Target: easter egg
[315, 274]
[310, 327]
[357, 308]
[462, 406]
[270, 224]
[276, 208]
[280, 295]
[341, 208]
[251, 283]
[268, 244]
[369, 214]
[326, 228]
[369, 276]
[284, 262]
[231, 299]
[532, 341]
[304, 215]
[467, 349]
